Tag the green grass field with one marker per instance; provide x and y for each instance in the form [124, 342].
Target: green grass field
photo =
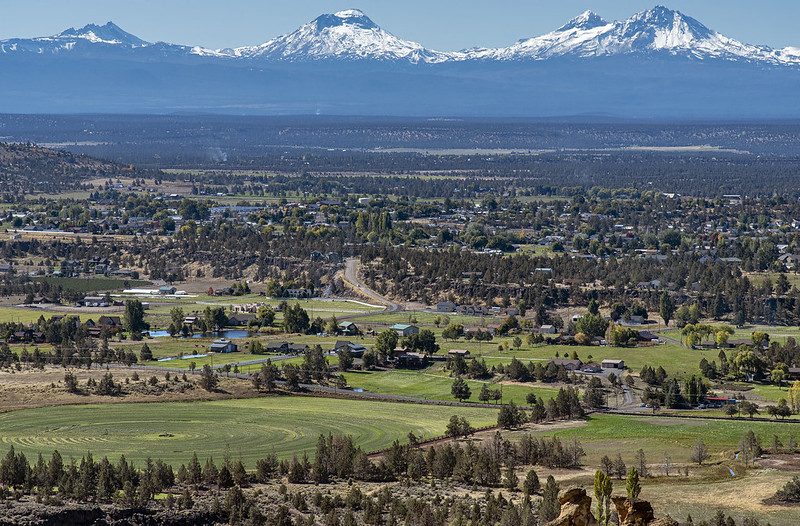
[93, 284]
[434, 386]
[9, 314]
[251, 428]
[427, 318]
[674, 358]
[708, 488]
[610, 434]
[777, 333]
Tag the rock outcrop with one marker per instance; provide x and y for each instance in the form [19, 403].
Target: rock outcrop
[636, 512]
[576, 509]
[633, 511]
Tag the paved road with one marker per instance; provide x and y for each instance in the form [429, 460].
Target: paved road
[351, 276]
[664, 338]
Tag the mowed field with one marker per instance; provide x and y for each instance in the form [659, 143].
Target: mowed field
[708, 488]
[251, 428]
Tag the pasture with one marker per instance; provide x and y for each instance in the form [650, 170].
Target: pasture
[251, 428]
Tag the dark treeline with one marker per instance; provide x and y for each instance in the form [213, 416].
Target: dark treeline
[697, 174]
[56, 480]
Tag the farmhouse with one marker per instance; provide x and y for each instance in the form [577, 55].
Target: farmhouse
[298, 348]
[458, 352]
[445, 306]
[110, 322]
[404, 330]
[167, 290]
[240, 319]
[278, 347]
[472, 310]
[92, 301]
[412, 359]
[356, 349]
[613, 364]
[222, 346]
[592, 367]
[298, 293]
[348, 327]
[569, 365]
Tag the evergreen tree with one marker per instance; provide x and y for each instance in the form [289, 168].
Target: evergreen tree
[531, 484]
[632, 486]
[549, 507]
[460, 389]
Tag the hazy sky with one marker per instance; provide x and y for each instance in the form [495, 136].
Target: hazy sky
[439, 24]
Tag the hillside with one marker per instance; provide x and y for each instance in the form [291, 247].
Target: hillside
[29, 169]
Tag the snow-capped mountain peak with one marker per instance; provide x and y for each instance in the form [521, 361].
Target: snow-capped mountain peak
[345, 35]
[657, 30]
[662, 28]
[586, 20]
[108, 34]
[350, 35]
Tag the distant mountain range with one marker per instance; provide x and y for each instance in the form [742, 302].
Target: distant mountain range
[657, 64]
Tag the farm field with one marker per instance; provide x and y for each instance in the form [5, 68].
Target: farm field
[777, 333]
[13, 314]
[427, 318]
[707, 487]
[251, 428]
[674, 358]
[93, 284]
[420, 384]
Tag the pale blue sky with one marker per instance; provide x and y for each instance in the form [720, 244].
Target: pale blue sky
[439, 24]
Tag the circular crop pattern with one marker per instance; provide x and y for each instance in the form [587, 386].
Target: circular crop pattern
[249, 429]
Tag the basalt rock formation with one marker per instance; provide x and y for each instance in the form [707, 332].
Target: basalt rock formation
[576, 510]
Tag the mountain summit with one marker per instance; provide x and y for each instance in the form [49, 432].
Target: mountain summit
[657, 30]
[108, 34]
[349, 35]
[658, 62]
[586, 20]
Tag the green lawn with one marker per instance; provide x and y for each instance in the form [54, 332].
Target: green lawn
[610, 434]
[252, 428]
[434, 386]
[674, 358]
[427, 318]
[9, 314]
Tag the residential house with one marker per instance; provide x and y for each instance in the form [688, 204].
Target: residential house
[92, 301]
[592, 367]
[356, 349]
[278, 347]
[348, 327]
[298, 348]
[222, 346]
[298, 293]
[445, 306]
[404, 330]
[412, 359]
[612, 364]
[240, 319]
[569, 365]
